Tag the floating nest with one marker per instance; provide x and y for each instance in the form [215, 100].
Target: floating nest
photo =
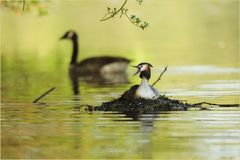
[163, 103]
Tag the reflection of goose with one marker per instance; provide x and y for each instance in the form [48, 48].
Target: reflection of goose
[99, 80]
[94, 65]
[144, 90]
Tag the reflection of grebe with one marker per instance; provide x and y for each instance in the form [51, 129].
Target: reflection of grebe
[94, 65]
[144, 90]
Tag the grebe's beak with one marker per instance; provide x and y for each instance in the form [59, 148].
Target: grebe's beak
[138, 70]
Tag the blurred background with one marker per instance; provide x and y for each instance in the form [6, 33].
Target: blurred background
[191, 37]
[180, 33]
[197, 40]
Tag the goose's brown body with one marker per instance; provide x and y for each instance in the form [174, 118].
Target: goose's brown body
[101, 65]
[104, 70]
[94, 65]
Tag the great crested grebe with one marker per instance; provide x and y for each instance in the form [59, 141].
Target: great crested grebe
[94, 65]
[144, 90]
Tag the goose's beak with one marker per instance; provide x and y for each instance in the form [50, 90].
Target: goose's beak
[138, 70]
[61, 38]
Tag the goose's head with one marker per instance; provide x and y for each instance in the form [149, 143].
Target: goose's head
[71, 35]
[144, 69]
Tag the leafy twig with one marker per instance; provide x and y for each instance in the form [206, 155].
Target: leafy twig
[113, 12]
[136, 21]
[133, 19]
[43, 95]
[159, 78]
[21, 6]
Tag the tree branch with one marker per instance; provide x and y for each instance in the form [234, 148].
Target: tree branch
[113, 13]
[136, 21]
[220, 105]
[43, 95]
[159, 78]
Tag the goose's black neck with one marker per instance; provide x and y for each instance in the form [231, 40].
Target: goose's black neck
[146, 74]
[75, 51]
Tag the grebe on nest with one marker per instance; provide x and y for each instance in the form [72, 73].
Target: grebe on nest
[142, 98]
[94, 65]
[144, 90]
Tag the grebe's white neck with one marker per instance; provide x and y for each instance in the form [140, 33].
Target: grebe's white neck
[146, 91]
[144, 81]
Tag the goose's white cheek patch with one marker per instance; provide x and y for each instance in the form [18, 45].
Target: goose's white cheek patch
[70, 34]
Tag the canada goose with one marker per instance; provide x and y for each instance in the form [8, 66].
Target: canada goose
[144, 90]
[94, 65]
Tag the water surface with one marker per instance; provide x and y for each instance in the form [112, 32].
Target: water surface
[197, 40]
[62, 129]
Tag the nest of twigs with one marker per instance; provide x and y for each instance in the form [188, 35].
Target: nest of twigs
[163, 103]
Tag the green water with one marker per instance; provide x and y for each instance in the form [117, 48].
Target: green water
[198, 40]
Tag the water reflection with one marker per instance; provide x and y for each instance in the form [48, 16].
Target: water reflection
[107, 79]
[63, 131]
[146, 131]
[102, 135]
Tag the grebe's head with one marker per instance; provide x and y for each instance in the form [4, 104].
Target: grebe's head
[72, 35]
[144, 69]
